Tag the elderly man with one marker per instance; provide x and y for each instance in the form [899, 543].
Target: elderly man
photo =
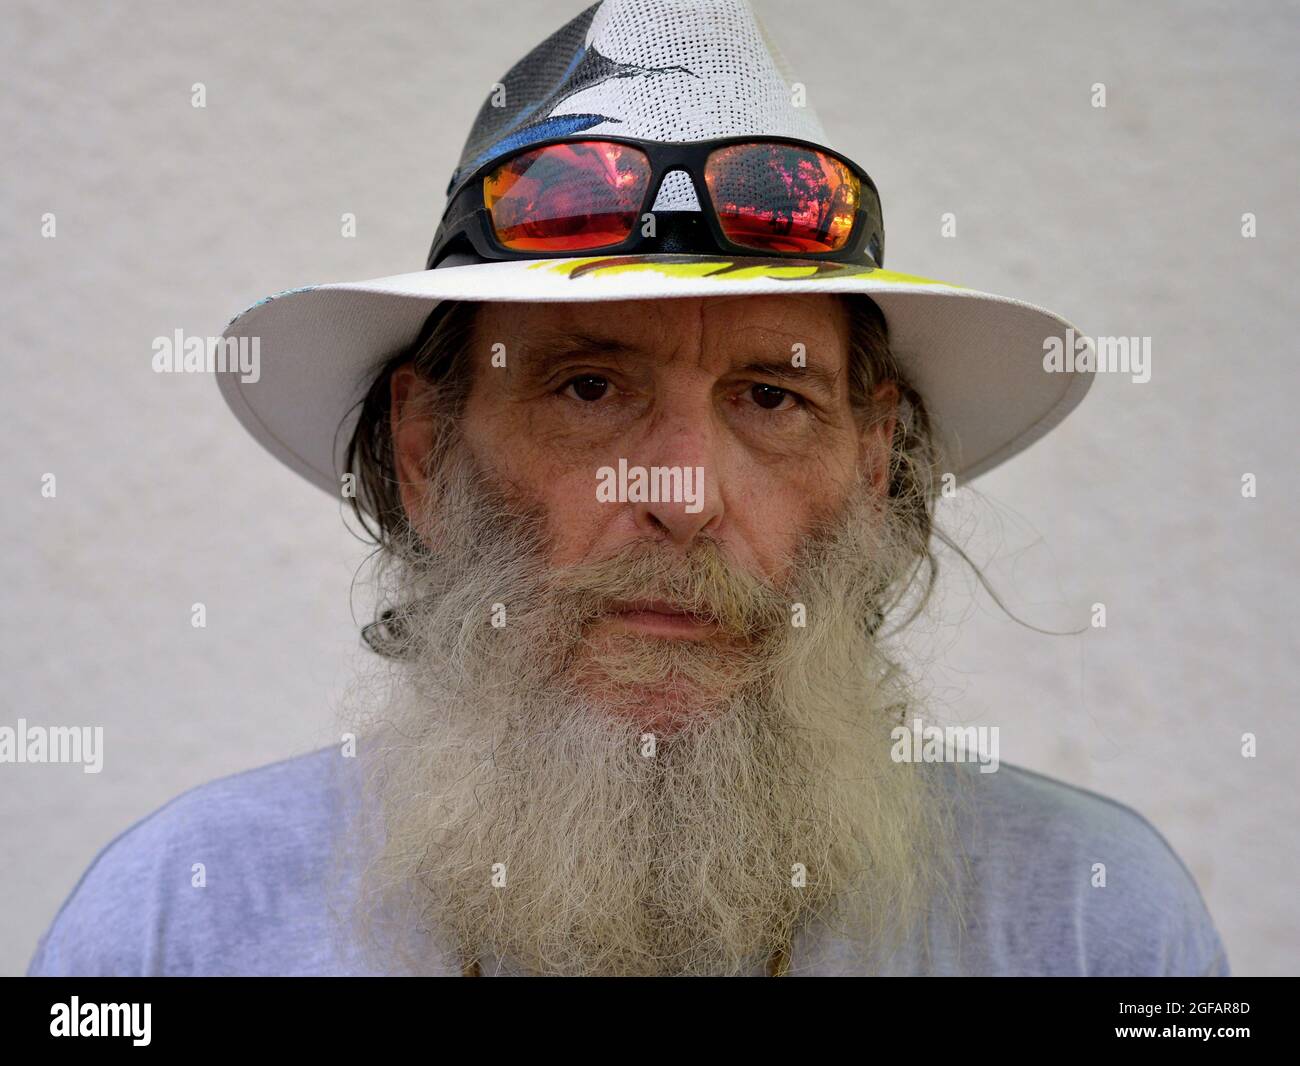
[651, 452]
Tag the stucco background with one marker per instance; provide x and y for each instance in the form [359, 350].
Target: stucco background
[1127, 220]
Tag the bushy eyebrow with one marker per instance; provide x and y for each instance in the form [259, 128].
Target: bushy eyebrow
[554, 346]
[782, 370]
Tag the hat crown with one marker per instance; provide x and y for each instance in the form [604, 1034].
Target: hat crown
[658, 70]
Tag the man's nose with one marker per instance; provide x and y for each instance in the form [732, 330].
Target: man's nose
[680, 457]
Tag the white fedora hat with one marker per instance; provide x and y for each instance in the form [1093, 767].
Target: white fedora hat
[673, 77]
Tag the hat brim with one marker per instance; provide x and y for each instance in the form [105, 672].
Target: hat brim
[976, 359]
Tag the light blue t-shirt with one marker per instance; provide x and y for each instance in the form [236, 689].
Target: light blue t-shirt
[265, 838]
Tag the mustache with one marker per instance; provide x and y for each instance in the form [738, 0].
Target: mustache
[704, 582]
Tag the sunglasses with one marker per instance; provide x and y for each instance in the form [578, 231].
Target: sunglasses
[774, 196]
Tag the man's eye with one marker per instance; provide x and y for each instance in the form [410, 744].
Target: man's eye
[589, 387]
[771, 398]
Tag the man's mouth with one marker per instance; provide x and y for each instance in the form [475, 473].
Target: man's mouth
[657, 618]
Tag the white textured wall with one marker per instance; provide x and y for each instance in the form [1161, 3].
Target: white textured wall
[1125, 220]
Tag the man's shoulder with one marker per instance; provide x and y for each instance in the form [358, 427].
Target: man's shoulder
[271, 807]
[1026, 801]
[1077, 882]
[211, 864]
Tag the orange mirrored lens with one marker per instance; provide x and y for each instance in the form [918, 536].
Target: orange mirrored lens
[782, 198]
[567, 197]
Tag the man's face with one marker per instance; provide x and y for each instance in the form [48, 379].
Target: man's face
[733, 629]
[752, 393]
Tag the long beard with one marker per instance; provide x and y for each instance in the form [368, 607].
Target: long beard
[573, 802]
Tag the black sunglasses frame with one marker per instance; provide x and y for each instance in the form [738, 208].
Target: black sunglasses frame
[468, 219]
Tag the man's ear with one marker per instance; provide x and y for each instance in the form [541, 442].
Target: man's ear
[412, 434]
[878, 437]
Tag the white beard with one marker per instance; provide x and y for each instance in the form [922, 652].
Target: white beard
[523, 816]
